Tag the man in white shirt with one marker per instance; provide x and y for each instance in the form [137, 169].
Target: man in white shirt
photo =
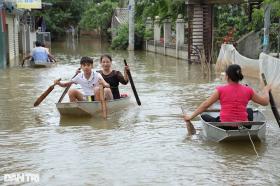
[89, 81]
[39, 54]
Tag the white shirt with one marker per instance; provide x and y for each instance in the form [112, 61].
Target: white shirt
[88, 85]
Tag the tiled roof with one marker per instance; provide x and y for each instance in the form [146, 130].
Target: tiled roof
[121, 15]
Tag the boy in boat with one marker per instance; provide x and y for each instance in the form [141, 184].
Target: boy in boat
[39, 54]
[113, 77]
[88, 79]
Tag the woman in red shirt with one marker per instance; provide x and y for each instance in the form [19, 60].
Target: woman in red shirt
[233, 97]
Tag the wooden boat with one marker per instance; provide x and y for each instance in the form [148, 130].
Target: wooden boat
[40, 64]
[213, 131]
[85, 108]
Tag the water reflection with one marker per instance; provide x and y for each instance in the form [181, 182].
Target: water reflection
[97, 122]
[71, 42]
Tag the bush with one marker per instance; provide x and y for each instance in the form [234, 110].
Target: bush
[148, 34]
[121, 40]
[98, 16]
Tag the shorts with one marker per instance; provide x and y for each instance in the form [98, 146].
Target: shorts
[89, 98]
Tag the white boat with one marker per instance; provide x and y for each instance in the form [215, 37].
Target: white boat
[40, 64]
[86, 108]
[213, 131]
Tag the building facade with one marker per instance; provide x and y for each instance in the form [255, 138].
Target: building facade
[17, 34]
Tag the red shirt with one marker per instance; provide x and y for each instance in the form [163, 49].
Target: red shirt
[234, 98]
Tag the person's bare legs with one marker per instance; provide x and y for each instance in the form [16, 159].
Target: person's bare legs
[75, 95]
[107, 94]
[96, 94]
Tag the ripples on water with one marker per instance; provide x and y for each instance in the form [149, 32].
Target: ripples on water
[144, 145]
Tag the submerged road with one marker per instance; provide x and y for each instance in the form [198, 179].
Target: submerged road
[146, 145]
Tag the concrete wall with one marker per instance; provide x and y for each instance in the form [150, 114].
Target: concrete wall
[22, 39]
[250, 45]
[3, 60]
[13, 39]
[32, 37]
[167, 46]
[169, 51]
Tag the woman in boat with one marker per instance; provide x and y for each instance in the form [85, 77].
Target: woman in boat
[88, 79]
[113, 77]
[233, 97]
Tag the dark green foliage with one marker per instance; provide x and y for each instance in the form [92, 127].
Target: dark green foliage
[139, 35]
[274, 34]
[258, 21]
[121, 40]
[163, 8]
[61, 15]
[98, 16]
[88, 14]
[148, 8]
[229, 16]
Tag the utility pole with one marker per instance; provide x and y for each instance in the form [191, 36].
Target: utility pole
[278, 46]
[131, 29]
[266, 28]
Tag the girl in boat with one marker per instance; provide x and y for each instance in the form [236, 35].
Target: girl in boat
[113, 77]
[88, 79]
[233, 97]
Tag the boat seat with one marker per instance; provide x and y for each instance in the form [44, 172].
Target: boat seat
[236, 124]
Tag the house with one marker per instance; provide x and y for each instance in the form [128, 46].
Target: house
[3, 36]
[12, 27]
[200, 24]
[119, 17]
[12, 34]
[17, 31]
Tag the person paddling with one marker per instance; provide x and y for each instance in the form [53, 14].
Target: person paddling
[113, 77]
[233, 97]
[88, 79]
[39, 54]
[50, 59]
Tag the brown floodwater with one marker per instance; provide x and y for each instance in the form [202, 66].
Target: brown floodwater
[138, 145]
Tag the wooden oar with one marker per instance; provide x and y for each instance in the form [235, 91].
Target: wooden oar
[22, 63]
[272, 103]
[44, 95]
[189, 125]
[67, 88]
[103, 102]
[132, 85]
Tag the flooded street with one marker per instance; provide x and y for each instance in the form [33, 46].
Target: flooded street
[146, 145]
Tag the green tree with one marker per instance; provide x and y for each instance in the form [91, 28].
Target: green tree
[258, 21]
[163, 8]
[227, 17]
[98, 16]
[149, 8]
[61, 15]
[121, 40]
